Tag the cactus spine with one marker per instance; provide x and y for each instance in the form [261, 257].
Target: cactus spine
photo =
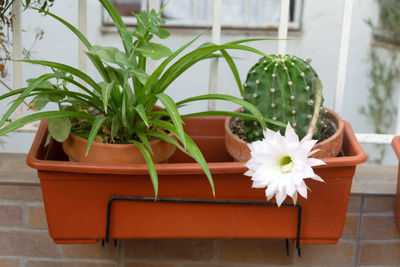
[286, 89]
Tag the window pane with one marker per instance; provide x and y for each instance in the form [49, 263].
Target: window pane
[238, 14]
[126, 7]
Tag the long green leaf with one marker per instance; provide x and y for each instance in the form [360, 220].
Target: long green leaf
[41, 116]
[115, 125]
[150, 165]
[25, 93]
[234, 70]
[250, 40]
[167, 138]
[95, 60]
[145, 141]
[92, 101]
[157, 72]
[142, 113]
[191, 148]
[94, 130]
[67, 69]
[118, 22]
[230, 114]
[229, 98]
[185, 62]
[106, 92]
[174, 115]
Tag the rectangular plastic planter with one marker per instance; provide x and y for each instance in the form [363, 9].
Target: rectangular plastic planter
[76, 195]
[396, 148]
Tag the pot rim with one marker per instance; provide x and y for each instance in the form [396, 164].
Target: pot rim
[340, 127]
[357, 156]
[332, 115]
[396, 146]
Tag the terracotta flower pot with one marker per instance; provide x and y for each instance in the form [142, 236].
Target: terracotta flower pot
[76, 194]
[396, 147]
[75, 148]
[328, 148]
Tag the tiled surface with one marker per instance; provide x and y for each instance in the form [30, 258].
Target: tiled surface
[375, 179]
[370, 236]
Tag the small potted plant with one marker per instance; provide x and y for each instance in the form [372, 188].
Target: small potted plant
[287, 89]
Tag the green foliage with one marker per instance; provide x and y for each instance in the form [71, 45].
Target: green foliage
[120, 107]
[384, 73]
[284, 89]
[6, 22]
[389, 20]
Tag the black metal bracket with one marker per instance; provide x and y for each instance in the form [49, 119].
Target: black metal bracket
[206, 201]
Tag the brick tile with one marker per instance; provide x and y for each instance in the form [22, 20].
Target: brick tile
[378, 187]
[50, 263]
[4, 262]
[143, 264]
[214, 264]
[380, 253]
[371, 172]
[37, 217]
[351, 227]
[378, 227]
[179, 249]
[92, 251]
[26, 243]
[379, 204]
[20, 192]
[340, 254]
[19, 175]
[11, 215]
[13, 161]
[355, 187]
[254, 251]
[354, 204]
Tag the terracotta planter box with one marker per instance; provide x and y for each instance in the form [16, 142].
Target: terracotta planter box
[76, 195]
[396, 147]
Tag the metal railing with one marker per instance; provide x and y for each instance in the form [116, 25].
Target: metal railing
[216, 35]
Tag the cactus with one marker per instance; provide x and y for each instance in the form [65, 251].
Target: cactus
[286, 89]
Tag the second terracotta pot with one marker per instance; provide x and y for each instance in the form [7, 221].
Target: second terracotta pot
[75, 148]
[328, 148]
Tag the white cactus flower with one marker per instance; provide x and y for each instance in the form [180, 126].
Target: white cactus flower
[281, 163]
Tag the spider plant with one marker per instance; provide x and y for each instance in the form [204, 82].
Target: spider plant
[122, 103]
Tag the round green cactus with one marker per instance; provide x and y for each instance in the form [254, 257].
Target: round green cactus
[286, 89]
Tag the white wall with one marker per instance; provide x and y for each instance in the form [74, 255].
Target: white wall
[319, 39]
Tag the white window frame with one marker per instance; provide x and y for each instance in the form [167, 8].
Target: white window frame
[294, 25]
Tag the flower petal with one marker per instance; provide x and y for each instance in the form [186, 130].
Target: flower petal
[315, 162]
[290, 134]
[302, 189]
[280, 197]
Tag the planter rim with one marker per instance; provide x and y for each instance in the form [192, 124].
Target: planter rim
[396, 145]
[358, 157]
